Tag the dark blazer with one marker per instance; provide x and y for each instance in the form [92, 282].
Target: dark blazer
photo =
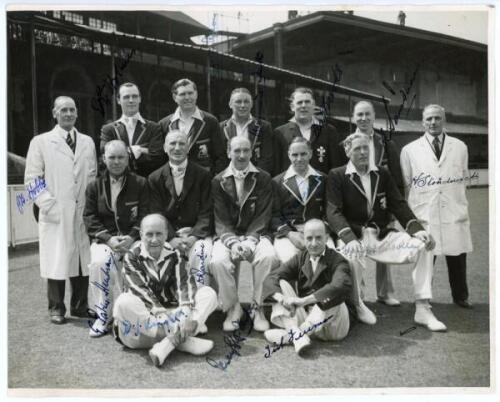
[206, 147]
[131, 206]
[347, 205]
[251, 218]
[288, 207]
[260, 134]
[147, 135]
[387, 154]
[331, 284]
[325, 142]
[192, 208]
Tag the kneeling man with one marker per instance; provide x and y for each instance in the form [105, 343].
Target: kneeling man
[361, 198]
[323, 281]
[162, 309]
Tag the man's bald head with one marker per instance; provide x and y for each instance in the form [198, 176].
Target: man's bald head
[239, 140]
[115, 146]
[154, 219]
[314, 224]
[65, 112]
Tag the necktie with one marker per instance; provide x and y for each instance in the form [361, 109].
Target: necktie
[437, 149]
[71, 143]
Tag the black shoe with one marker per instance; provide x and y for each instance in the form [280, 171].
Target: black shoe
[463, 303]
[57, 319]
[87, 313]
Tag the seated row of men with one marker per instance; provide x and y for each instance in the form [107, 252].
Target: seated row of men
[244, 202]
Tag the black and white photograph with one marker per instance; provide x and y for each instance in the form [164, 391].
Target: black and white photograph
[249, 200]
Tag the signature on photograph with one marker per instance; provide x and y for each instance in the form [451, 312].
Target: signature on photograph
[101, 309]
[104, 92]
[235, 340]
[293, 336]
[428, 180]
[33, 190]
[135, 329]
[201, 272]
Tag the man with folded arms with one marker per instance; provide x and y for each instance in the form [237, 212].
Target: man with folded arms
[115, 204]
[161, 309]
[143, 137]
[242, 208]
[361, 199]
[299, 195]
[205, 143]
[323, 281]
[180, 191]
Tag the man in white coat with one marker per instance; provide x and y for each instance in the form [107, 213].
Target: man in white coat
[59, 165]
[435, 170]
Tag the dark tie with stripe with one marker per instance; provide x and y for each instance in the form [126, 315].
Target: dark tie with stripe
[71, 143]
[437, 148]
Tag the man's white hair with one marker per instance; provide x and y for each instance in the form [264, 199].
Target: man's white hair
[350, 139]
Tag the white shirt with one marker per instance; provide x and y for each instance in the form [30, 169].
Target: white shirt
[242, 130]
[239, 176]
[365, 181]
[64, 133]
[115, 186]
[185, 123]
[305, 130]
[302, 182]
[430, 139]
[315, 260]
[178, 173]
[130, 122]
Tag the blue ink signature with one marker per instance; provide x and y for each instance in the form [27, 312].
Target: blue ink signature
[103, 97]
[235, 340]
[127, 326]
[33, 191]
[201, 272]
[102, 308]
[428, 180]
[293, 336]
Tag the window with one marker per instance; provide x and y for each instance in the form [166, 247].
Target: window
[73, 17]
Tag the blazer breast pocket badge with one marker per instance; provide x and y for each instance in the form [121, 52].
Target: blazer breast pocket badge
[383, 201]
[256, 152]
[134, 211]
[202, 151]
[321, 154]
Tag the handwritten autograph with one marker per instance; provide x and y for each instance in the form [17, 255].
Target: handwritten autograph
[427, 180]
[235, 340]
[201, 272]
[104, 92]
[128, 327]
[33, 191]
[292, 337]
[101, 309]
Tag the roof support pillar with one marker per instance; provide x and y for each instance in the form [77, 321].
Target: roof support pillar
[278, 44]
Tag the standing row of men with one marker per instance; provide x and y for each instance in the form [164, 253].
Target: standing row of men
[357, 200]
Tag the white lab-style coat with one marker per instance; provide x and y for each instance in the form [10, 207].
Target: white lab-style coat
[436, 192]
[62, 234]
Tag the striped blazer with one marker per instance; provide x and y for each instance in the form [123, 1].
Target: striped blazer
[163, 283]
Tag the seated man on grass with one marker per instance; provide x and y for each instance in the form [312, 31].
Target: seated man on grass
[162, 309]
[323, 281]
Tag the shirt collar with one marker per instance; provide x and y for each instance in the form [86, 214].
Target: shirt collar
[136, 116]
[116, 181]
[64, 133]
[311, 258]
[352, 169]
[230, 169]
[166, 251]
[369, 135]
[250, 118]
[313, 121]
[195, 115]
[291, 172]
[183, 165]
[430, 138]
